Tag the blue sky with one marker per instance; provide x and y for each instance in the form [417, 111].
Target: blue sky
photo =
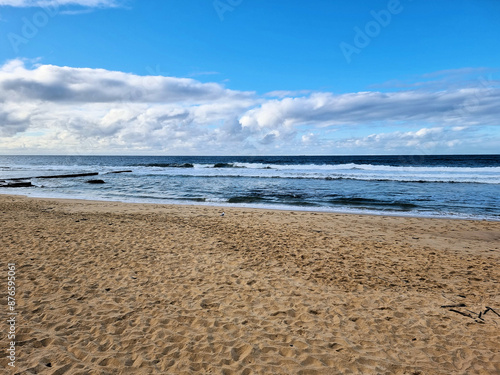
[249, 77]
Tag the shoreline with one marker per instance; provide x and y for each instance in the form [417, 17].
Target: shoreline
[280, 208]
[109, 287]
[436, 187]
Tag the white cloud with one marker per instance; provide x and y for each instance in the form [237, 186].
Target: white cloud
[445, 79]
[461, 107]
[83, 85]
[47, 108]
[115, 110]
[434, 139]
[285, 93]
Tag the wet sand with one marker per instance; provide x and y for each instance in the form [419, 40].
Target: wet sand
[114, 288]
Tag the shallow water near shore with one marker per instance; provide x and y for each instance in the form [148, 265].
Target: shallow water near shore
[454, 186]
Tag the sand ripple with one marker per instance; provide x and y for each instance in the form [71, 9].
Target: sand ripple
[108, 288]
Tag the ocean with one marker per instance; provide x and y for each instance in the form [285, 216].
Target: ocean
[452, 186]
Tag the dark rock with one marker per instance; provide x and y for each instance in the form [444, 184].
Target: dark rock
[116, 172]
[70, 175]
[170, 165]
[56, 176]
[19, 184]
[223, 165]
[95, 182]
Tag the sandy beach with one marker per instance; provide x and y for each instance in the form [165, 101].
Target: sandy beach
[115, 288]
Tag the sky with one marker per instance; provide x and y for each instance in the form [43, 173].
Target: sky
[249, 77]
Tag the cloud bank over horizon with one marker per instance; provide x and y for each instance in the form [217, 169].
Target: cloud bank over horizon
[58, 109]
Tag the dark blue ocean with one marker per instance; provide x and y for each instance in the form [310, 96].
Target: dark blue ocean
[457, 186]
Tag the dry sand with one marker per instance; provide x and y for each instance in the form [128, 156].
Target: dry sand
[112, 288]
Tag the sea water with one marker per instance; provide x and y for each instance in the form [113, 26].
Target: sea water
[457, 186]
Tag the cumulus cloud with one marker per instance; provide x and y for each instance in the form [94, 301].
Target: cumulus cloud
[464, 106]
[16, 117]
[111, 109]
[12, 123]
[83, 85]
[439, 139]
[66, 109]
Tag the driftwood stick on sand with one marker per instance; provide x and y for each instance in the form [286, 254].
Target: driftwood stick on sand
[456, 305]
[490, 309]
[462, 313]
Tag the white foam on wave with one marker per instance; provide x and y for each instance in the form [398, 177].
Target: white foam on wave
[368, 167]
[403, 174]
